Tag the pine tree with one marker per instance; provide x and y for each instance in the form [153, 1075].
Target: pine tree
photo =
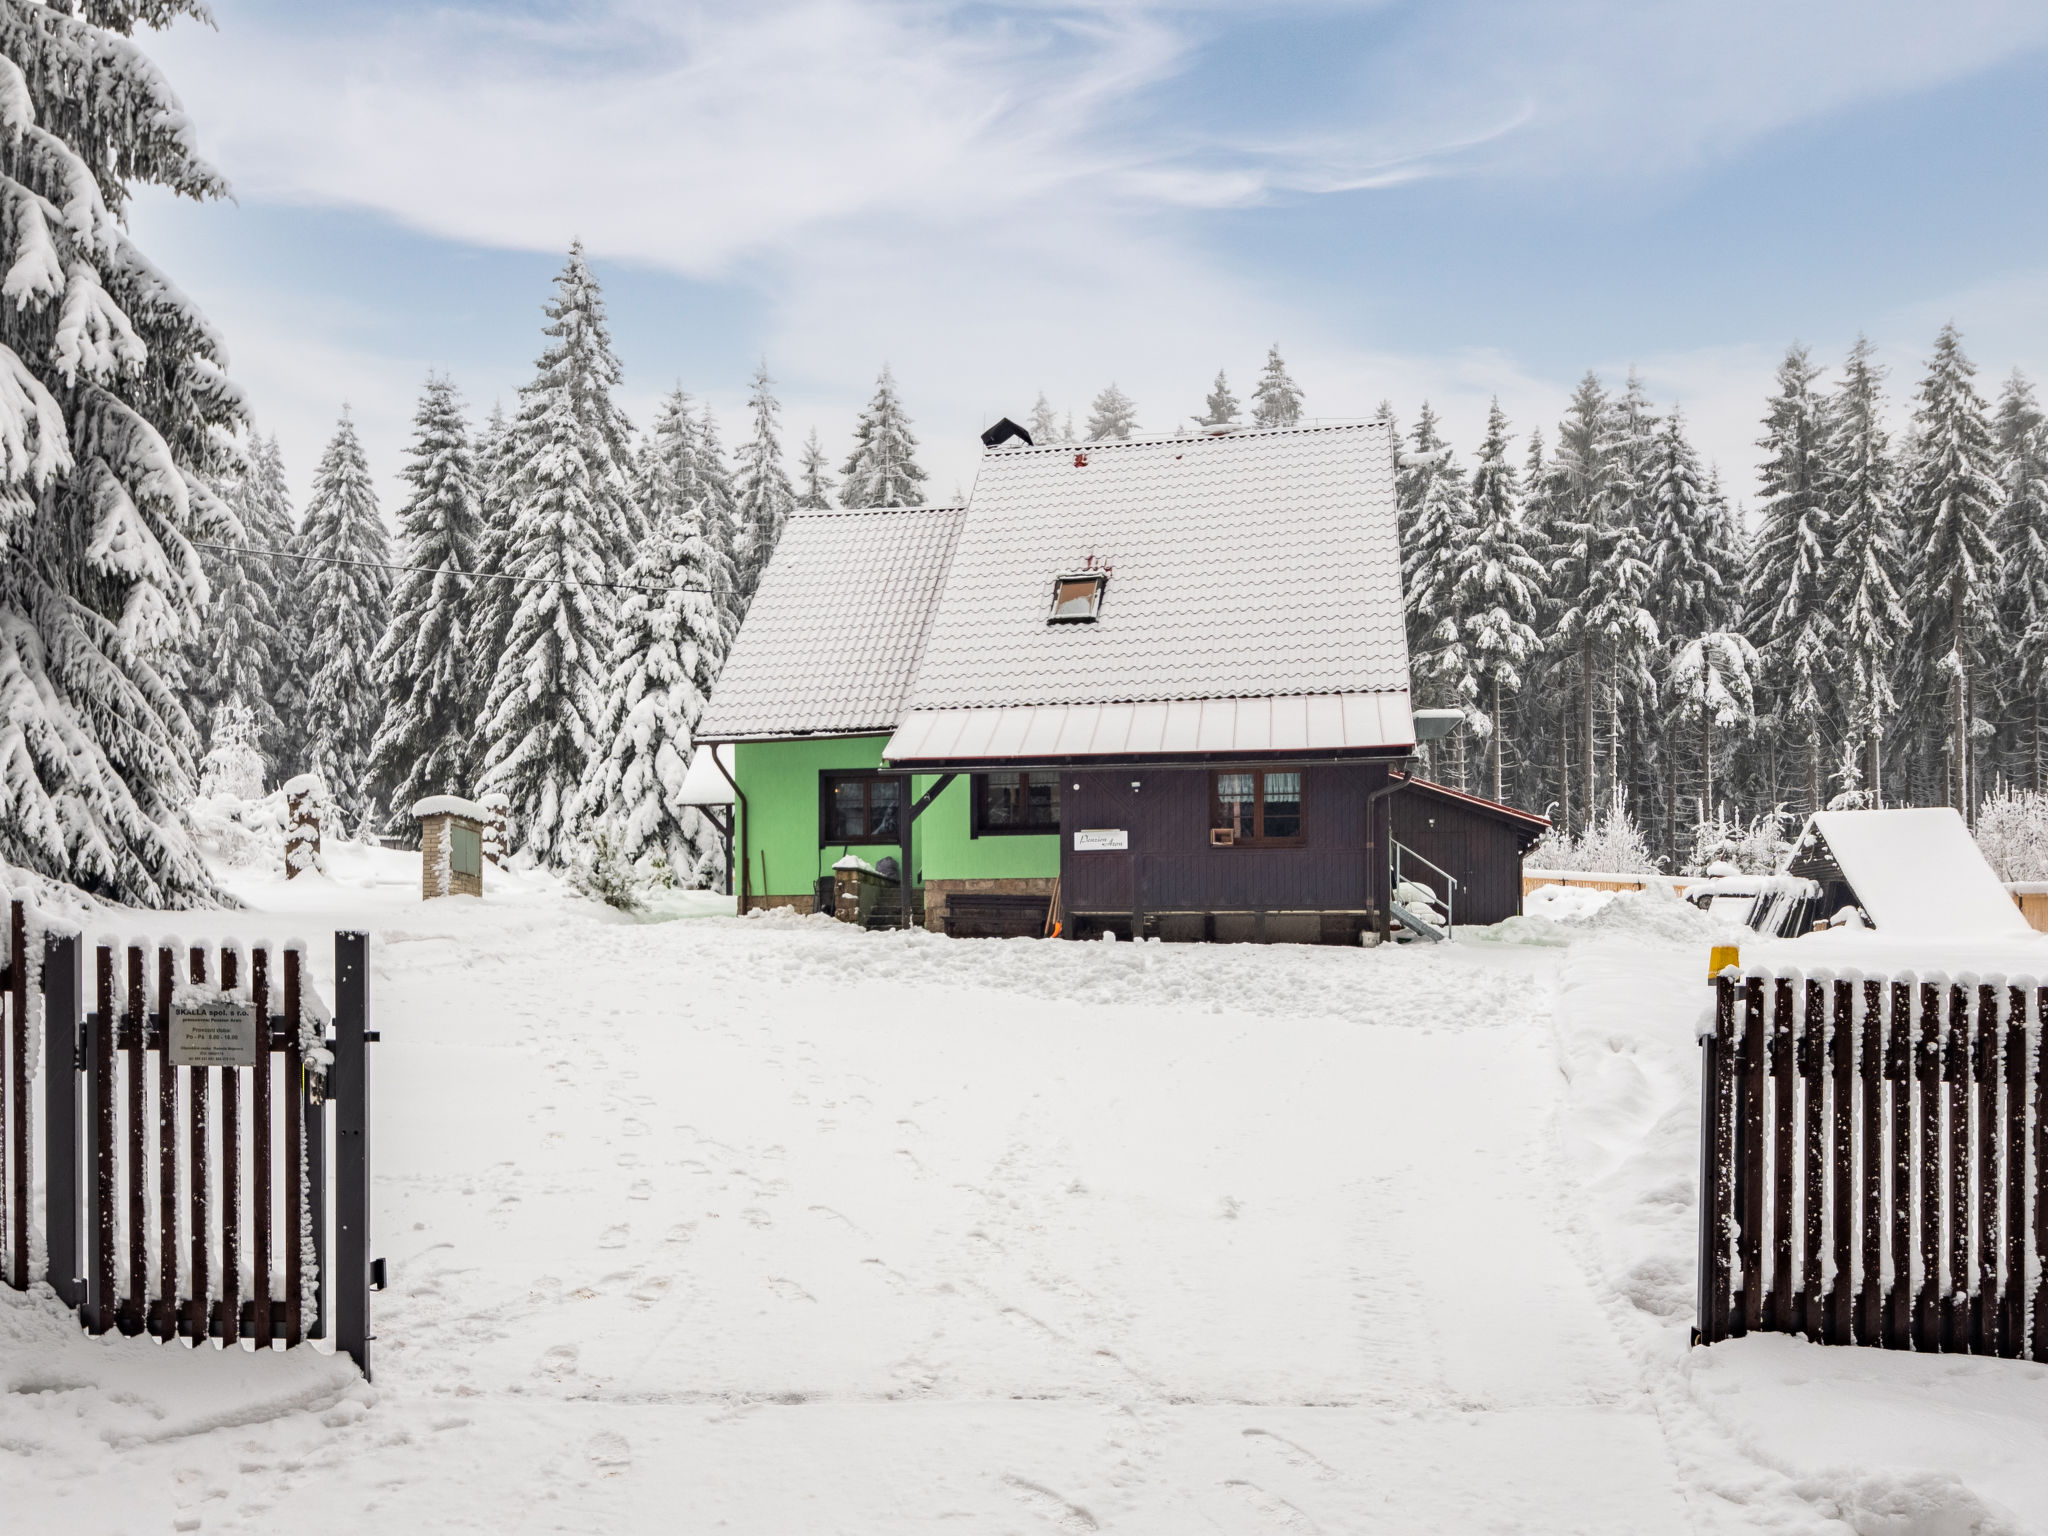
[678, 488]
[1277, 400]
[1498, 587]
[347, 602]
[662, 665]
[1114, 414]
[1866, 569]
[114, 413]
[1952, 504]
[232, 666]
[1694, 576]
[428, 744]
[1416, 466]
[2022, 435]
[1441, 530]
[1789, 620]
[264, 505]
[491, 598]
[813, 478]
[1045, 423]
[761, 489]
[1221, 408]
[573, 524]
[882, 470]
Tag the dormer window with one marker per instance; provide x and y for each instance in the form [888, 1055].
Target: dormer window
[1077, 599]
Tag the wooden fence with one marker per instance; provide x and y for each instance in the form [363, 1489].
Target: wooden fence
[187, 1120]
[1874, 1162]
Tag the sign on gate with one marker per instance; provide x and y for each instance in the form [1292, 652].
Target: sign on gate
[213, 1032]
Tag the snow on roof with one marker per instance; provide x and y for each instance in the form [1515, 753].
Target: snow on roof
[833, 634]
[450, 805]
[1253, 565]
[1918, 871]
[703, 784]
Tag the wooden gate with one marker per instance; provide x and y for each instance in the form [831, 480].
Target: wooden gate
[1874, 1162]
[204, 1124]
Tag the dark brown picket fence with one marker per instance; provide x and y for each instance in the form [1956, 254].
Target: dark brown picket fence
[1874, 1162]
[196, 1203]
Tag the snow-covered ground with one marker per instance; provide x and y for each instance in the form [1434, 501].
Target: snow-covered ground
[773, 1226]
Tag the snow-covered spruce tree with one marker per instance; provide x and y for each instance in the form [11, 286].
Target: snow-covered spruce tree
[235, 658]
[1497, 588]
[427, 744]
[1416, 466]
[762, 493]
[114, 413]
[882, 470]
[232, 767]
[1430, 568]
[678, 489]
[1786, 601]
[1694, 576]
[573, 521]
[1112, 414]
[263, 502]
[1952, 504]
[1866, 570]
[1045, 422]
[663, 661]
[347, 598]
[1713, 688]
[1596, 572]
[1221, 407]
[813, 477]
[1277, 400]
[492, 600]
[2022, 436]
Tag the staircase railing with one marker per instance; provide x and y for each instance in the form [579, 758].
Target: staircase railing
[1401, 851]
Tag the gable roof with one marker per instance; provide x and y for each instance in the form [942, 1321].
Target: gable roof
[1914, 869]
[834, 632]
[1245, 569]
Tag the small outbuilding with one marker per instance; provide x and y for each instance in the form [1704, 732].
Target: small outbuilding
[451, 846]
[1912, 871]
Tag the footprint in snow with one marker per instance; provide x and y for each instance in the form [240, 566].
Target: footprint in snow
[614, 1237]
[609, 1453]
[1049, 1506]
[1285, 1516]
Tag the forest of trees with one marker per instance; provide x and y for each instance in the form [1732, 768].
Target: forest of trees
[1875, 632]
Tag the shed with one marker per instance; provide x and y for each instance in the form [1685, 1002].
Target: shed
[1480, 843]
[1916, 871]
[451, 846]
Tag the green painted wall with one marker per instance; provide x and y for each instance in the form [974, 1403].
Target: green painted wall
[946, 852]
[780, 781]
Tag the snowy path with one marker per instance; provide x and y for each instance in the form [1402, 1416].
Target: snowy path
[775, 1227]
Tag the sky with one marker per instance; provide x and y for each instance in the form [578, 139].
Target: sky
[1446, 201]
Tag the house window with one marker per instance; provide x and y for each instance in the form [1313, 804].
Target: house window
[1256, 808]
[1076, 599]
[1016, 802]
[861, 808]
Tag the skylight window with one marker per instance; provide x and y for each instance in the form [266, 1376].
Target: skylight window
[1077, 599]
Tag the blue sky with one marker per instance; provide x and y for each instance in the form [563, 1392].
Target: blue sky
[1444, 200]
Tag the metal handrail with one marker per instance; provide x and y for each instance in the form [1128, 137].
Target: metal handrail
[1450, 901]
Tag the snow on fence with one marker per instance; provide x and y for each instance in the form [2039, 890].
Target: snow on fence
[196, 1225]
[1874, 1160]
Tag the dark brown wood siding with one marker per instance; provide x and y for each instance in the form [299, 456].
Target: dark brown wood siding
[1481, 851]
[1171, 867]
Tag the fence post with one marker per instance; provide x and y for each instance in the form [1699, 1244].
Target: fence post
[60, 1115]
[351, 1073]
[100, 1095]
[1716, 1150]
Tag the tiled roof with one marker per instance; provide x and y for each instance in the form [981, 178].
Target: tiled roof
[833, 635]
[1256, 564]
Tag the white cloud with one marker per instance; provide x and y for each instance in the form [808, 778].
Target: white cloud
[997, 199]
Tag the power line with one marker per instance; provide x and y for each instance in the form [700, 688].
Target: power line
[435, 570]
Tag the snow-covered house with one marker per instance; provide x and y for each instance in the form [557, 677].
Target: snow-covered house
[1160, 686]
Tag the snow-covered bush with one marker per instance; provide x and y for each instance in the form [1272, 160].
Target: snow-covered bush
[2012, 833]
[1758, 846]
[237, 832]
[232, 765]
[1613, 844]
[599, 869]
